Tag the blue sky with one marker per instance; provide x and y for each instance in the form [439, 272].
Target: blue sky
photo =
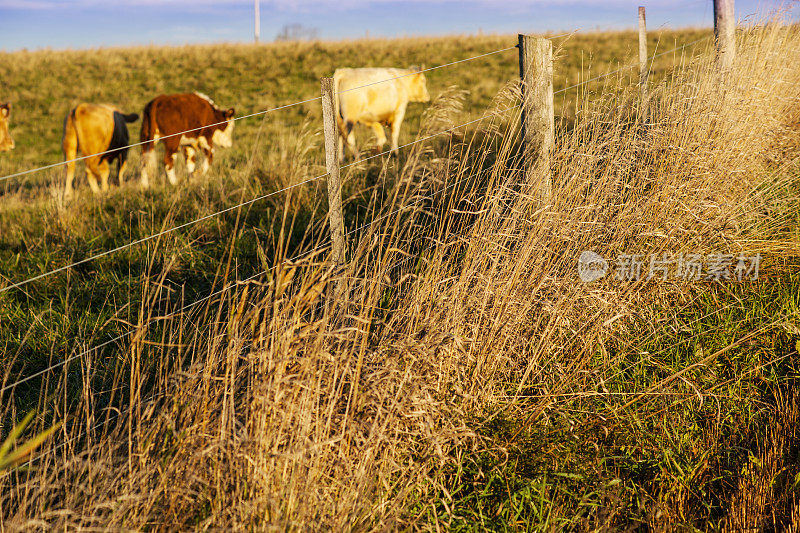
[36, 24]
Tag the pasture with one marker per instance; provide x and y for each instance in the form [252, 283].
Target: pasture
[40, 231]
[464, 378]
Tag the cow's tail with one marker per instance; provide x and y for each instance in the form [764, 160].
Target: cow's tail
[69, 144]
[337, 76]
[148, 131]
[147, 136]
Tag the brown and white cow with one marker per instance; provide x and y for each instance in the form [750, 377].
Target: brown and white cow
[6, 142]
[190, 122]
[374, 97]
[100, 129]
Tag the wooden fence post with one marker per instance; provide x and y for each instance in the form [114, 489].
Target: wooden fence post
[643, 67]
[332, 164]
[538, 115]
[725, 33]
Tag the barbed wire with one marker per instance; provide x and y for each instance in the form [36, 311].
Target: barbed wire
[258, 113]
[227, 287]
[226, 210]
[220, 291]
[139, 241]
[632, 66]
[155, 235]
[238, 282]
[151, 322]
[262, 197]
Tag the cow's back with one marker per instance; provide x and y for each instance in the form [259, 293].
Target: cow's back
[369, 94]
[94, 125]
[176, 113]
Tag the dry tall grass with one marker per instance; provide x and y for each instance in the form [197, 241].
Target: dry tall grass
[289, 404]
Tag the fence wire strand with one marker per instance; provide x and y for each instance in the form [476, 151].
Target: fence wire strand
[230, 285]
[152, 397]
[258, 113]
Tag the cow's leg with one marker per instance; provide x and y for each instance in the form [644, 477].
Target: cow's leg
[190, 154]
[209, 153]
[92, 173]
[351, 138]
[148, 164]
[104, 169]
[172, 146]
[396, 122]
[169, 164]
[68, 177]
[380, 135]
[122, 164]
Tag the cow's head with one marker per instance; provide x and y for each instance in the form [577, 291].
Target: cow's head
[418, 87]
[6, 142]
[223, 135]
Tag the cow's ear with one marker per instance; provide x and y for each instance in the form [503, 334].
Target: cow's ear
[5, 110]
[230, 113]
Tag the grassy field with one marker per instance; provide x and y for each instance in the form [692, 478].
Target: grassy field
[40, 232]
[455, 374]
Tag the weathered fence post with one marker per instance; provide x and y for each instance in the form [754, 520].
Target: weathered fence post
[725, 33]
[332, 165]
[538, 115]
[643, 67]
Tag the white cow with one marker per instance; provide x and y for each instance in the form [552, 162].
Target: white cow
[374, 97]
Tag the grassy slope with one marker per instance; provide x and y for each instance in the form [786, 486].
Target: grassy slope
[720, 450]
[594, 463]
[38, 232]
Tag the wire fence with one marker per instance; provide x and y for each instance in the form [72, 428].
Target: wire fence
[232, 284]
[273, 109]
[188, 307]
[256, 114]
[162, 233]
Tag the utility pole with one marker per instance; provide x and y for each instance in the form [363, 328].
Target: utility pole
[258, 19]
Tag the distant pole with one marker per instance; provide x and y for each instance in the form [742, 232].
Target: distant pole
[258, 19]
[538, 114]
[725, 33]
[643, 69]
[332, 164]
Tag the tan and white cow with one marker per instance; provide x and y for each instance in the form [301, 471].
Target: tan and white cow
[376, 97]
[6, 142]
[191, 122]
[100, 132]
